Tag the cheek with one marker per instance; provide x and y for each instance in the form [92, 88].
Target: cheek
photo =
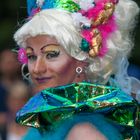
[63, 67]
[30, 68]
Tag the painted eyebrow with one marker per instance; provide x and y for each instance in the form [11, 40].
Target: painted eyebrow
[49, 45]
[43, 46]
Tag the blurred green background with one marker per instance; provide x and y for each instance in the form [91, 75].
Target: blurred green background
[12, 13]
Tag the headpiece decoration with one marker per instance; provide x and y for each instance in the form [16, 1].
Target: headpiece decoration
[95, 17]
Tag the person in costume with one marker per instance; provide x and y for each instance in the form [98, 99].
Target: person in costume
[77, 56]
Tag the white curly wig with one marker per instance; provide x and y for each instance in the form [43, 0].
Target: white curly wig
[60, 24]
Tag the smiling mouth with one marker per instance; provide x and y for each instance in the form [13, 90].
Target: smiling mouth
[43, 79]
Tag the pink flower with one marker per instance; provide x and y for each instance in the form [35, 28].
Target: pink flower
[22, 57]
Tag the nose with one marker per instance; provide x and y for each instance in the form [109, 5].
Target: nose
[40, 66]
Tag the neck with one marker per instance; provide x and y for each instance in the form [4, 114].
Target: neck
[80, 78]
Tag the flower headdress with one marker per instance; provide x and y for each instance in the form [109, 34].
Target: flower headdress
[95, 17]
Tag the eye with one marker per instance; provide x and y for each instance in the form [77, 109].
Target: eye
[52, 54]
[31, 57]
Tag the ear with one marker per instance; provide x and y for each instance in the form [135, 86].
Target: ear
[82, 64]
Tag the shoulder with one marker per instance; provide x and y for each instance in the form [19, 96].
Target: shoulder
[85, 131]
[32, 134]
[85, 126]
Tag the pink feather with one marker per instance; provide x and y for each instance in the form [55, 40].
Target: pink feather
[105, 29]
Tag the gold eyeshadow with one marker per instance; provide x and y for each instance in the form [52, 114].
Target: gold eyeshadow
[29, 51]
[50, 48]
[51, 51]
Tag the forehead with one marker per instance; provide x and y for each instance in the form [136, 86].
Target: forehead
[40, 40]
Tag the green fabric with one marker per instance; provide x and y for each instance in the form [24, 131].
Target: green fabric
[51, 106]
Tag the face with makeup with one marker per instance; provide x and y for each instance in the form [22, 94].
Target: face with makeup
[49, 64]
